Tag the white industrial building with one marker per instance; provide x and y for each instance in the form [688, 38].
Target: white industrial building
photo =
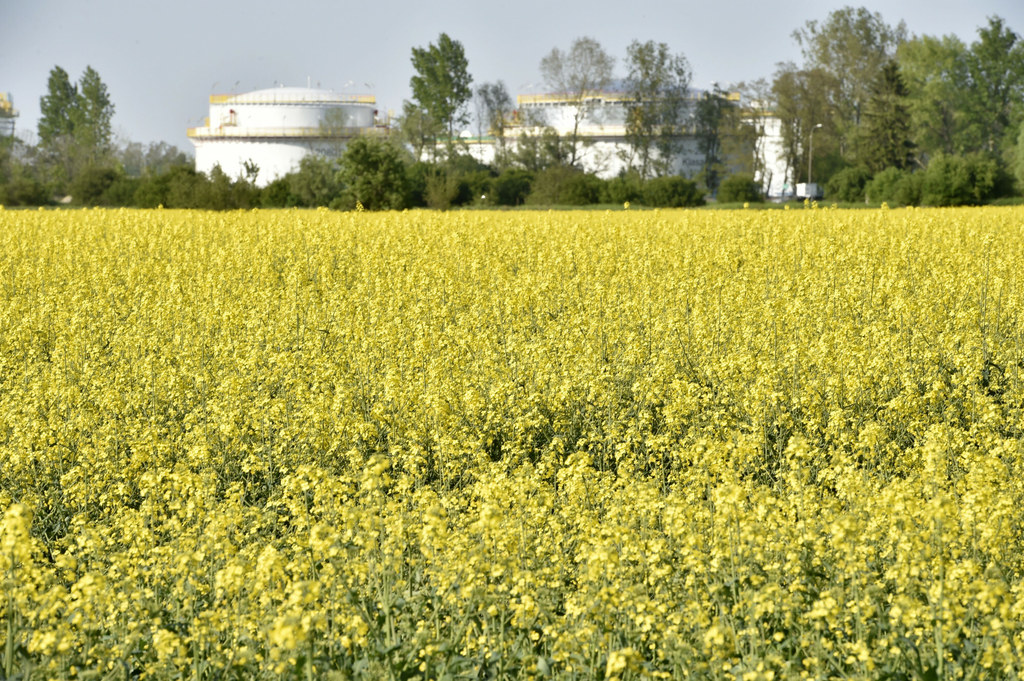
[604, 148]
[602, 130]
[776, 177]
[274, 129]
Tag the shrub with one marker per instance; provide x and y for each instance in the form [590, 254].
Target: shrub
[442, 188]
[315, 182]
[182, 187]
[472, 179]
[473, 186]
[512, 187]
[566, 186]
[373, 174]
[848, 184]
[277, 195]
[1018, 160]
[671, 192]
[583, 189]
[882, 187]
[121, 192]
[23, 188]
[152, 190]
[958, 181]
[416, 184]
[909, 189]
[895, 186]
[627, 187]
[739, 188]
[92, 183]
[214, 193]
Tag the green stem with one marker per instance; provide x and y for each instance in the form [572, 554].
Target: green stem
[9, 648]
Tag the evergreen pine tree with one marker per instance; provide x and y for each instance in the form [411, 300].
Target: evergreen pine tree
[885, 140]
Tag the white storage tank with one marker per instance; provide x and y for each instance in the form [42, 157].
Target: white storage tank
[274, 129]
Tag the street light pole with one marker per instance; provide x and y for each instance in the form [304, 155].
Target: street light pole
[810, 151]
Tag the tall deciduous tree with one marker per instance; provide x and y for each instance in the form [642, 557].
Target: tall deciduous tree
[995, 64]
[707, 126]
[495, 109]
[936, 75]
[58, 109]
[56, 127]
[761, 103]
[1017, 160]
[802, 103]
[851, 46]
[965, 99]
[94, 115]
[75, 123]
[724, 138]
[657, 85]
[578, 74]
[418, 129]
[442, 84]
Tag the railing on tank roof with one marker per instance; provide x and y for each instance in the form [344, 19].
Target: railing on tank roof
[596, 131]
[562, 98]
[238, 132]
[246, 99]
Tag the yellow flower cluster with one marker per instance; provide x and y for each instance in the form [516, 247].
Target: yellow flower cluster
[633, 444]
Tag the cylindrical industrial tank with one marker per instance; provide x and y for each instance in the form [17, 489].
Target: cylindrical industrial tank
[277, 127]
[290, 107]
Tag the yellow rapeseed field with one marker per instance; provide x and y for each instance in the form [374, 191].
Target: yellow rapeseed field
[680, 444]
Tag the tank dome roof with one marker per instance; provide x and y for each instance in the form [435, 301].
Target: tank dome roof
[290, 94]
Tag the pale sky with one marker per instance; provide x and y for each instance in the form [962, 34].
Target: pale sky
[162, 60]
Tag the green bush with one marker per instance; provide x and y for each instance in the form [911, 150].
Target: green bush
[215, 192]
[882, 187]
[896, 187]
[626, 187]
[1017, 162]
[909, 189]
[512, 187]
[277, 194]
[92, 183]
[416, 174]
[583, 189]
[122, 191]
[442, 188]
[459, 181]
[181, 187]
[959, 180]
[474, 187]
[671, 192]
[848, 185]
[471, 177]
[315, 182]
[22, 187]
[152, 190]
[562, 185]
[739, 188]
[373, 174]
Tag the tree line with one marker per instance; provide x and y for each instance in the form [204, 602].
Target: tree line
[878, 114]
[872, 113]
[76, 155]
[660, 112]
